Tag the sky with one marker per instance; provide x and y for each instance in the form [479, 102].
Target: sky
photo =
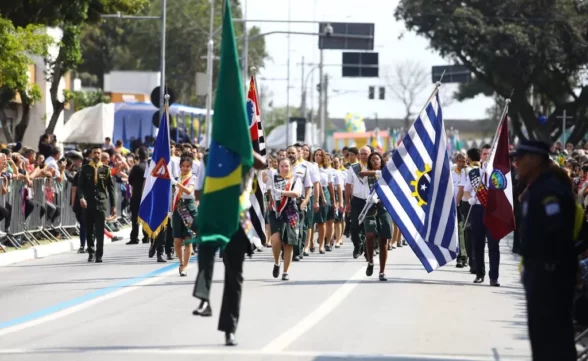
[347, 94]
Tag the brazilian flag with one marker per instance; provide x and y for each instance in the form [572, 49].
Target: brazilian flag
[230, 155]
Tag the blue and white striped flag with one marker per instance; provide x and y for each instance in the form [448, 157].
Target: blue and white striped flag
[417, 190]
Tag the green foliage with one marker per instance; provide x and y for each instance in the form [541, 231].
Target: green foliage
[276, 117]
[511, 45]
[83, 99]
[17, 45]
[472, 89]
[135, 45]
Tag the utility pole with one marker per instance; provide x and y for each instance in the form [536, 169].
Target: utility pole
[209, 69]
[303, 92]
[245, 48]
[564, 118]
[325, 111]
[162, 88]
[322, 95]
[288, 82]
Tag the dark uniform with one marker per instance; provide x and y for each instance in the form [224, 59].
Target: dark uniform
[95, 185]
[549, 259]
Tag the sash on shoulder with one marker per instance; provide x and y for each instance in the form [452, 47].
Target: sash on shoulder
[478, 186]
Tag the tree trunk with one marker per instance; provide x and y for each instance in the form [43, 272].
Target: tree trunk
[57, 105]
[21, 127]
[6, 127]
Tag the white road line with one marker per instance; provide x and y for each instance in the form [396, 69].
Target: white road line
[244, 352]
[284, 340]
[89, 303]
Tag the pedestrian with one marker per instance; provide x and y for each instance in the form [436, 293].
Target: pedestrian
[550, 264]
[356, 193]
[97, 199]
[137, 181]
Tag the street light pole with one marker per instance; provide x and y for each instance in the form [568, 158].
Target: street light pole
[288, 82]
[209, 68]
[245, 47]
[162, 88]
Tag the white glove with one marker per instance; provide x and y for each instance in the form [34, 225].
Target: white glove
[173, 181]
[472, 201]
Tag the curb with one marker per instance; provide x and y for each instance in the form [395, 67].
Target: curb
[51, 249]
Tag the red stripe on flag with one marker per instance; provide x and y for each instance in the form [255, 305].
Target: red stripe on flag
[252, 96]
[499, 215]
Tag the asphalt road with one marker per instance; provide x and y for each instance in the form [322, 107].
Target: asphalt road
[131, 308]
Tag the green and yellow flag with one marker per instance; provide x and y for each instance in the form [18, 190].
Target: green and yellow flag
[231, 153]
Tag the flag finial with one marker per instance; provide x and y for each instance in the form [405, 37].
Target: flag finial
[253, 70]
[166, 99]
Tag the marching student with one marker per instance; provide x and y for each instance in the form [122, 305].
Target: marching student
[284, 218]
[479, 232]
[377, 222]
[355, 195]
[325, 215]
[184, 212]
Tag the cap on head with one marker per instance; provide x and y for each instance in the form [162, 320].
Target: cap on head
[531, 147]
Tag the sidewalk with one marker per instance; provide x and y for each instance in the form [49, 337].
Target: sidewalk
[68, 245]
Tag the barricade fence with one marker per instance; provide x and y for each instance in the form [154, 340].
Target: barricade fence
[42, 210]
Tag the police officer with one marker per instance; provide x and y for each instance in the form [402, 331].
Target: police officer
[547, 246]
[97, 198]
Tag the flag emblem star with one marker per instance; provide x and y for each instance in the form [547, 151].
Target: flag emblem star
[421, 185]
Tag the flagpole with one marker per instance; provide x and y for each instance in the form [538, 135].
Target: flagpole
[370, 199]
[493, 149]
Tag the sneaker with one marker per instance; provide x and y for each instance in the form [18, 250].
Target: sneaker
[276, 271]
[369, 270]
[383, 277]
[81, 250]
[285, 277]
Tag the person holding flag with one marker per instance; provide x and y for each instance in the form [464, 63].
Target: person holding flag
[155, 201]
[225, 189]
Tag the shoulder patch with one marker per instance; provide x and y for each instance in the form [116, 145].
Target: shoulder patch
[551, 205]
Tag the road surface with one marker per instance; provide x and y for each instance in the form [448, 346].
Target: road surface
[131, 308]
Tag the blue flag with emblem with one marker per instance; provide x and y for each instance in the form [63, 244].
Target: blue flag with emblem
[417, 190]
[155, 201]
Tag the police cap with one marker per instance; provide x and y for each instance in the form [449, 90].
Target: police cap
[531, 147]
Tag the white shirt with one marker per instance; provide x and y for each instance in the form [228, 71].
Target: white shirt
[196, 166]
[200, 178]
[174, 167]
[275, 182]
[456, 177]
[314, 172]
[325, 177]
[360, 186]
[302, 171]
[338, 179]
[52, 164]
[192, 182]
[467, 184]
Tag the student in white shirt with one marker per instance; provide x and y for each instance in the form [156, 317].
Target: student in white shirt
[284, 190]
[339, 183]
[325, 216]
[184, 212]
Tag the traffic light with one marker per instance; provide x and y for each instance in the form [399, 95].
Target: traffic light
[372, 90]
[318, 87]
[382, 93]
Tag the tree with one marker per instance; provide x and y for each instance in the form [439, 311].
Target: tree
[407, 82]
[513, 46]
[17, 45]
[70, 16]
[134, 45]
[83, 99]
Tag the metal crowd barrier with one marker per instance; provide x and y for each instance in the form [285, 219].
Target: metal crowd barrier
[43, 211]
